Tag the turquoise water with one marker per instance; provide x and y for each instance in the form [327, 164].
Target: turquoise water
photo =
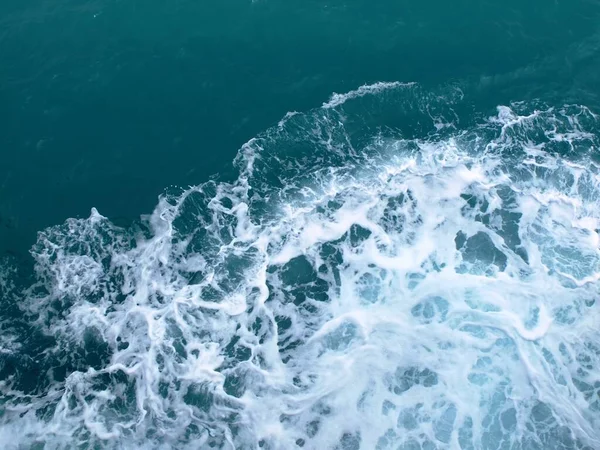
[104, 103]
[328, 225]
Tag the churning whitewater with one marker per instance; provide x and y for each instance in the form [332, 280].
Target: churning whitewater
[393, 270]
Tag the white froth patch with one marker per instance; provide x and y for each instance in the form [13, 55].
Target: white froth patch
[367, 89]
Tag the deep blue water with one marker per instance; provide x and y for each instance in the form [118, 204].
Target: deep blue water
[299, 224]
[104, 103]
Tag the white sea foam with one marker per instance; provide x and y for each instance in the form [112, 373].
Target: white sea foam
[367, 89]
[382, 293]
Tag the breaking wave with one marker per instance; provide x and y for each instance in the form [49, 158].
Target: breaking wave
[389, 271]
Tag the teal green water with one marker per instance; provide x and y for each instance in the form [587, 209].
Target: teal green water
[285, 224]
[105, 103]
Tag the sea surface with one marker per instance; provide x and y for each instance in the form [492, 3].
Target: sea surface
[281, 224]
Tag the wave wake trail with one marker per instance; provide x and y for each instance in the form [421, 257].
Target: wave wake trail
[381, 275]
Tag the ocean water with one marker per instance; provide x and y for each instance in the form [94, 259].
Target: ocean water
[377, 225]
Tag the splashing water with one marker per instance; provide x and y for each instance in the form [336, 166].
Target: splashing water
[381, 275]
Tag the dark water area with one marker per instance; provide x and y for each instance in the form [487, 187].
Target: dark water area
[284, 224]
[105, 103]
